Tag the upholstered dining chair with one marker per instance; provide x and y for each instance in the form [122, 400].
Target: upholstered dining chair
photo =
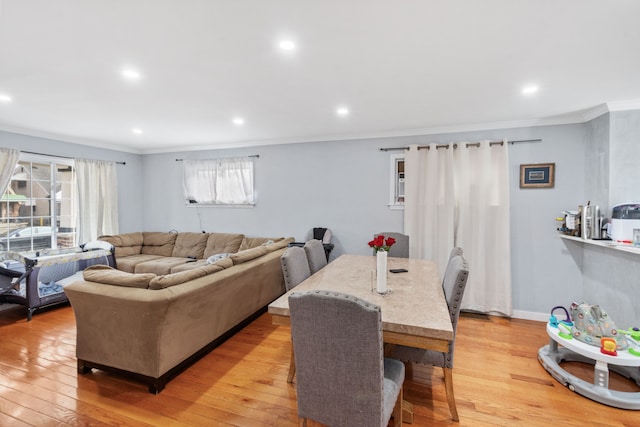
[401, 248]
[454, 283]
[455, 251]
[295, 267]
[315, 255]
[342, 377]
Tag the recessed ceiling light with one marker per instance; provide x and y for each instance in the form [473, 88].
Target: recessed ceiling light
[130, 74]
[5, 98]
[529, 90]
[342, 111]
[137, 131]
[286, 45]
[238, 121]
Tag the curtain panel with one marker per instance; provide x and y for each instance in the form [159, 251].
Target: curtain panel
[97, 183]
[460, 197]
[8, 161]
[219, 181]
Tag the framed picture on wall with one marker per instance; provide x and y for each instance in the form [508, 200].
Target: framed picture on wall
[539, 175]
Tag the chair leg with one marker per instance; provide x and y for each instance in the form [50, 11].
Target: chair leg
[397, 410]
[408, 369]
[451, 400]
[292, 367]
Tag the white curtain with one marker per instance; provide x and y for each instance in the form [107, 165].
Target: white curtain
[8, 160]
[219, 181]
[97, 199]
[429, 203]
[466, 205]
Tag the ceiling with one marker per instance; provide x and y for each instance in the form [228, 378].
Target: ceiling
[407, 67]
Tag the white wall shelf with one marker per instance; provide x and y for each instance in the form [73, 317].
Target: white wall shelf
[604, 243]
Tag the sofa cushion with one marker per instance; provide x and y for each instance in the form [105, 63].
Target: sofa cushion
[129, 263]
[253, 242]
[160, 265]
[248, 254]
[224, 263]
[111, 276]
[158, 243]
[189, 266]
[190, 245]
[222, 242]
[280, 244]
[173, 279]
[125, 244]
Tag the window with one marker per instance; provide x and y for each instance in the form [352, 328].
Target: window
[38, 208]
[397, 182]
[219, 182]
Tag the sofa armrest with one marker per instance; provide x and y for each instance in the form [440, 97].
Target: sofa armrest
[117, 326]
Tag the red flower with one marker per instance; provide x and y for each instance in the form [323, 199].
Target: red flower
[380, 244]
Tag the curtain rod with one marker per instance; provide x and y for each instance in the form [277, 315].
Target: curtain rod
[60, 157]
[470, 144]
[252, 155]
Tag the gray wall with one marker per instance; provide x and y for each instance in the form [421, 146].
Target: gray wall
[597, 162]
[610, 277]
[341, 185]
[625, 157]
[344, 185]
[129, 175]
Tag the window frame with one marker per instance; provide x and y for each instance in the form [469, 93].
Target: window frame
[395, 179]
[54, 214]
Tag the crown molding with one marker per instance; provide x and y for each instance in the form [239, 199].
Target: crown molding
[69, 139]
[378, 135]
[594, 112]
[581, 116]
[633, 104]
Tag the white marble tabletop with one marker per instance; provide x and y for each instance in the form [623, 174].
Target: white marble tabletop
[415, 305]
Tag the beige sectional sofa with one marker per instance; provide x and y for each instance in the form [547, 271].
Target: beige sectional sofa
[160, 311]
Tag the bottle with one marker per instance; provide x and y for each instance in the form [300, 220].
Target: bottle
[577, 232]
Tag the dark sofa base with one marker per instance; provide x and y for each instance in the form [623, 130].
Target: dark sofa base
[156, 385]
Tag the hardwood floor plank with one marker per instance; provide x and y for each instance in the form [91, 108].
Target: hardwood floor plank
[497, 381]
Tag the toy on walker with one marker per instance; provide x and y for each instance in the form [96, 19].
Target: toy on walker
[564, 326]
[590, 336]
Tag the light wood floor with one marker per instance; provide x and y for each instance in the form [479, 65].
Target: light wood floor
[498, 381]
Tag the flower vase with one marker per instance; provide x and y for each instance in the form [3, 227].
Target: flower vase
[381, 272]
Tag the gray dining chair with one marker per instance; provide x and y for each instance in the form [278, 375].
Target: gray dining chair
[401, 248]
[295, 267]
[342, 377]
[315, 255]
[455, 251]
[454, 283]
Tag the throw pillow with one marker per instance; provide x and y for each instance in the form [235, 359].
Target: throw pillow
[217, 257]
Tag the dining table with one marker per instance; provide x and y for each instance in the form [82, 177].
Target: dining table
[413, 308]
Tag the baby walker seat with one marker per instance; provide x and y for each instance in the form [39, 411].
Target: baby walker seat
[625, 363]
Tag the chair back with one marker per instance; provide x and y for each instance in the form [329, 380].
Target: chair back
[320, 233]
[455, 251]
[337, 342]
[401, 248]
[295, 267]
[453, 283]
[315, 255]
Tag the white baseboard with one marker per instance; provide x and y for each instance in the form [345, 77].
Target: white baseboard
[530, 315]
